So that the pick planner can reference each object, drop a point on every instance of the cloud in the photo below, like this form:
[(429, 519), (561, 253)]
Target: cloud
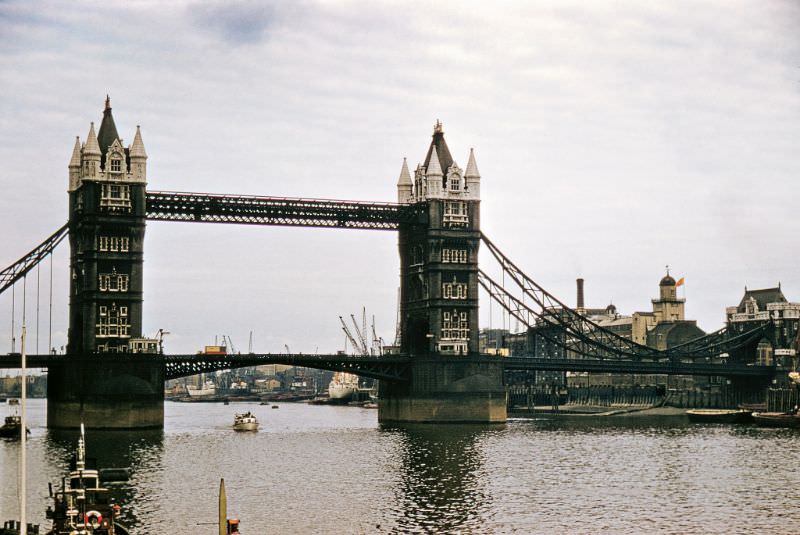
[(237, 23)]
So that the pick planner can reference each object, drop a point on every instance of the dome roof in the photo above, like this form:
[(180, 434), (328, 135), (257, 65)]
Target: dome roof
[(667, 281)]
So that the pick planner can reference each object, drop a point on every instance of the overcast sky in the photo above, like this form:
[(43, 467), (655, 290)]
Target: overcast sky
[(612, 139)]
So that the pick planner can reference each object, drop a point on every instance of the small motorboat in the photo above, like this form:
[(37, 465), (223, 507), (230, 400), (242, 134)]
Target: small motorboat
[(721, 416), (12, 427), (274, 406), (777, 419), (245, 422)]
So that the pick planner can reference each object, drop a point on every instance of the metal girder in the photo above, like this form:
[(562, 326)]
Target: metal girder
[(286, 211), (21, 267), (729, 369), (388, 367)]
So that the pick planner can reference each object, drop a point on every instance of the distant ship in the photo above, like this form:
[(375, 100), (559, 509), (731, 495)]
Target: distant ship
[(207, 389), (343, 386)]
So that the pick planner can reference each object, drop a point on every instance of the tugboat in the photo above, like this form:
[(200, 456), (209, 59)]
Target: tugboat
[(82, 506), (245, 422), (12, 428)]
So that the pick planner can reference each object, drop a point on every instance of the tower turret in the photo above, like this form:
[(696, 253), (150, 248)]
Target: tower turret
[(473, 177), (138, 158), (404, 185), (75, 166), (91, 156), (434, 176)]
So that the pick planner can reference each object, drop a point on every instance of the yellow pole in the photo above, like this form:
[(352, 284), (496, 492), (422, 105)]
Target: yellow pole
[(223, 508)]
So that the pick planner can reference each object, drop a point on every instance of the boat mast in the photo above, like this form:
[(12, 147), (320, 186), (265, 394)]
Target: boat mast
[(23, 440)]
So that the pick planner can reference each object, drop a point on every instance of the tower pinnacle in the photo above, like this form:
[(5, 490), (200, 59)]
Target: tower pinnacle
[(137, 148), (404, 184), (472, 167), (75, 161), (91, 147)]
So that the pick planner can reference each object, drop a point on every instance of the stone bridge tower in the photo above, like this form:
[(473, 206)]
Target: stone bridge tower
[(106, 233), (439, 298)]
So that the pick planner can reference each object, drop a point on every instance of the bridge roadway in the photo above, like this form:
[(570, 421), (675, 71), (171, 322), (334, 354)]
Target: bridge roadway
[(394, 367)]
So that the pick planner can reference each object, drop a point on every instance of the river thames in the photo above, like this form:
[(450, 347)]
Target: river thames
[(322, 469)]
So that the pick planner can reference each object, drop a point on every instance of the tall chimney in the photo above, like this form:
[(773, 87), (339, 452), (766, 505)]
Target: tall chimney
[(580, 293)]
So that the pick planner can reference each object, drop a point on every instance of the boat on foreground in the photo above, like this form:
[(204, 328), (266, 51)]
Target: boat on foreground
[(722, 416), (777, 419), (245, 422), (82, 505), (12, 427)]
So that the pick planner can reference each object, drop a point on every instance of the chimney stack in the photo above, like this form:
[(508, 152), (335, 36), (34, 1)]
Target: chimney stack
[(580, 293)]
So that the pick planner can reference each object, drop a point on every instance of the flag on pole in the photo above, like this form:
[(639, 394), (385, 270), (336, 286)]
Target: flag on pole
[(680, 282)]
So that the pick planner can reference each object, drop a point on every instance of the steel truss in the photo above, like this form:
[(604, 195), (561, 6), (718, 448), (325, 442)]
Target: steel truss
[(287, 211), (388, 367), (21, 267)]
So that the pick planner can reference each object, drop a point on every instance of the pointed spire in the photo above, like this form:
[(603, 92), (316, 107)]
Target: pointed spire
[(108, 129), (472, 167), (405, 175), (91, 148), (75, 161), (137, 148), (434, 167)]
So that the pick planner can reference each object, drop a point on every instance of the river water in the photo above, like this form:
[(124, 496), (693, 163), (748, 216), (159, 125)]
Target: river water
[(321, 469)]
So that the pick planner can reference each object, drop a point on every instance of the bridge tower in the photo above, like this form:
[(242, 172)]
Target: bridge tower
[(106, 233), (439, 298)]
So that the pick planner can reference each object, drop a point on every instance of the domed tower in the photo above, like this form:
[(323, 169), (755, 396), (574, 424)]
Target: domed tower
[(668, 307), (668, 287)]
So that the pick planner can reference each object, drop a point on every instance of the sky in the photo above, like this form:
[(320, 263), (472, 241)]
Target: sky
[(613, 139)]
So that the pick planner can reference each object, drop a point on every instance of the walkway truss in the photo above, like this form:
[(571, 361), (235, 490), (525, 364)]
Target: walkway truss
[(577, 335)]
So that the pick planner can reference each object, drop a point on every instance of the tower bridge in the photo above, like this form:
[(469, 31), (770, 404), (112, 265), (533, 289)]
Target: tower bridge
[(111, 376)]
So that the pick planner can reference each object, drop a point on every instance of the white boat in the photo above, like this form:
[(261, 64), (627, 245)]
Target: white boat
[(342, 387), (206, 390), (245, 422)]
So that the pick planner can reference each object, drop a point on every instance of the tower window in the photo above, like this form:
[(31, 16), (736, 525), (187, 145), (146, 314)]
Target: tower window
[(115, 196), (455, 325), (116, 165), (114, 323), (454, 290), (113, 282), (455, 183), (455, 214), (455, 256)]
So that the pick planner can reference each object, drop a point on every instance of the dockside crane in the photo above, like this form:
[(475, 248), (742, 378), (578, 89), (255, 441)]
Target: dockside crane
[(361, 336), (377, 342), (350, 337)]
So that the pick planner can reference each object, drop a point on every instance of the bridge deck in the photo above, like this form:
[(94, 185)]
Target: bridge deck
[(393, 367)]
